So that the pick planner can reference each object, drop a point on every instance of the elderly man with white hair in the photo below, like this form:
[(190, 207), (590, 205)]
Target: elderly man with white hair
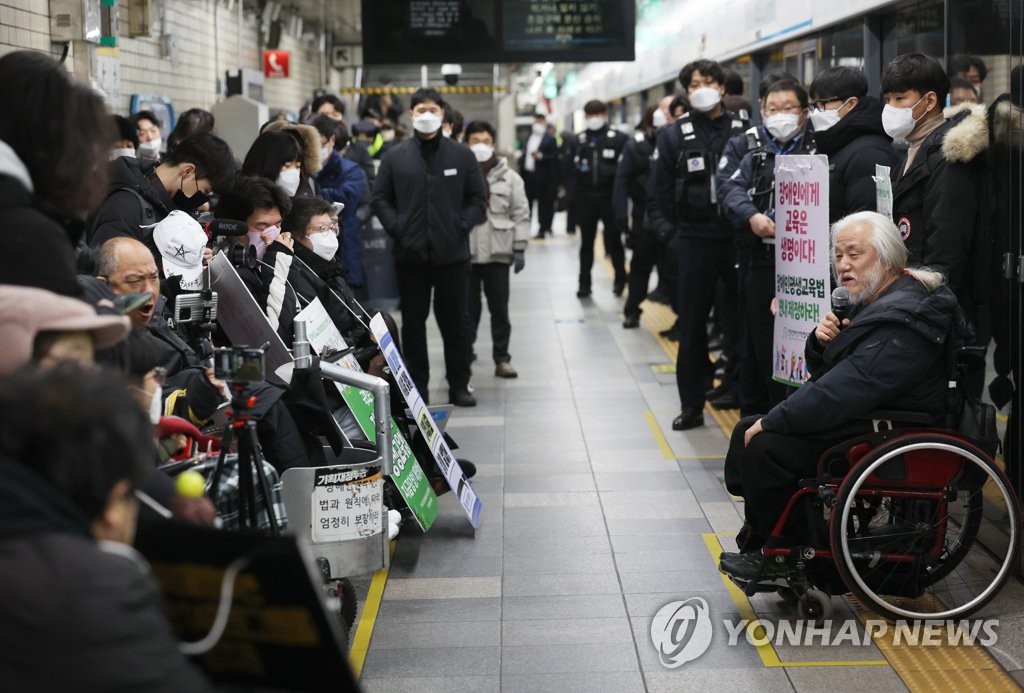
[(891, 353)]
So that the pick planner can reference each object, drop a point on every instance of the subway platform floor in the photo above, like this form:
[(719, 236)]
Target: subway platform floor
[(595, 516)]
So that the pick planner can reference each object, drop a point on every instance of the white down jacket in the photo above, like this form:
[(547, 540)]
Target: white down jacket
[(507, 228)]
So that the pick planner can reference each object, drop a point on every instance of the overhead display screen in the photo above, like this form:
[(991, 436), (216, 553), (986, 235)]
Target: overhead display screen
[(497, 31)]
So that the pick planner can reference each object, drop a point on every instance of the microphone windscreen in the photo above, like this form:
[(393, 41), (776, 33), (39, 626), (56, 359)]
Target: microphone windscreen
[(227, 227), (841, 297)]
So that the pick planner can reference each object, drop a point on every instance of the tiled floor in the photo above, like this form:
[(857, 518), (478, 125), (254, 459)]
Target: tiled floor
[(587, 529)]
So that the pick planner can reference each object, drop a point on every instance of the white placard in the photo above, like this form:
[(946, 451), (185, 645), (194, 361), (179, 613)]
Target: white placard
[(351, 509)]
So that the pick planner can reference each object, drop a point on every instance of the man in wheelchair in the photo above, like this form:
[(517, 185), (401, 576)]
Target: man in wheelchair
[(892, 353)]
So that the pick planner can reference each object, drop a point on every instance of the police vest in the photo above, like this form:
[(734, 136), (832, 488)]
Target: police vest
[(696, 193), (762, 187), (644, 154), (597, 157)]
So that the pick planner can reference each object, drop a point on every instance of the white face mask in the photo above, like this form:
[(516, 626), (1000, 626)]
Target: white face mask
[(659, 118), (151, 149), (823, 120), (324, 244), (783, 126), (899, 122), (594, 124), (705, 99), (482, 152), (539, 128), (427, 123), (288, 179), (325, 153), (118, 153)]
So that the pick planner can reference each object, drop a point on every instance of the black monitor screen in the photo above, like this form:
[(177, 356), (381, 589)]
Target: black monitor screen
[(485, 31)]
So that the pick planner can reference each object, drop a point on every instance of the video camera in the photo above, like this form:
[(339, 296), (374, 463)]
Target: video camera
[(240, 365)]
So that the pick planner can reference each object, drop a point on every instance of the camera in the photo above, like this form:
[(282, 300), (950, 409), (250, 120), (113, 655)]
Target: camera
[(189, 308), (451, 74), (242, 255), (240, 365)]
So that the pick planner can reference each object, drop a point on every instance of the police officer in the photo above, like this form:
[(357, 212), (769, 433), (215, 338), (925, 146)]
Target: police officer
[(687, 196), (595, 159), (749, 200), (631, 186)]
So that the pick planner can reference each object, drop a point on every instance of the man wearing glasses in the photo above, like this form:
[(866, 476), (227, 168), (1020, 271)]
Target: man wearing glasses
[(848, 129), (749, 201)]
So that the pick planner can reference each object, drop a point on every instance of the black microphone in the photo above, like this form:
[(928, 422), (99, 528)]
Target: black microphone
[(841, 304), (226, 227)]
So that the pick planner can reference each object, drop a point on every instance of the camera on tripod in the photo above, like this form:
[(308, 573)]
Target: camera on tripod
[(195, 308), (240, 365)]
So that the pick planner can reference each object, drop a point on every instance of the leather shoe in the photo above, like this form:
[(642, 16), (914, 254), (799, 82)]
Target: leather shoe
[(461, 397), (539, 236), (619, 287), (583, 293), (689, 418), (631, 322), (728, 400), (505, 370)]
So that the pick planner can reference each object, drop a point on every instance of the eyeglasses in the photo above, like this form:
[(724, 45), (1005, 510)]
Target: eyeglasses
[(785, 109), (820, 104), (313, 230)]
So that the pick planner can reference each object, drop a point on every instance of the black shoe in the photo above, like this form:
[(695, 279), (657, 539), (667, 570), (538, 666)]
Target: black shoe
[(619, 286), (747, 540), (672, 332), (717, 392), (539, 236), (727, 400), (658, 296), (632, 321), (583, 293), (461, 397), (689, 418), (746, 566), (468, 468)]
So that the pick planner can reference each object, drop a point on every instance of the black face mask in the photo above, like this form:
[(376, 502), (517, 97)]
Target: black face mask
[(190, 204)]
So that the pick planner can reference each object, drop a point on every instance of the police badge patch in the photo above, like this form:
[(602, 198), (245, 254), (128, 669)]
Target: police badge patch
[(904, 227)]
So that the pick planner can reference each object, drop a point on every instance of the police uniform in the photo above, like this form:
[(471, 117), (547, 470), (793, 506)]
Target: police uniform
[(687, 196), (631, 186), (750, 190), (595, 160)]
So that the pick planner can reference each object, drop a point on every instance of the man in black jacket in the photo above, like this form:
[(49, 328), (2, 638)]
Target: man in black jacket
[(142, 194), (629, 198), (848, 129), (891, 353), (429, 195), (539, 168)]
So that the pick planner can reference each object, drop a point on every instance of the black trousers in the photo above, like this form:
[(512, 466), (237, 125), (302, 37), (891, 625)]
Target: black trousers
[(544, 192), (646, 249), (758, 391), (702, 263), (448, 284), (492, 277), (589, 210), (767, 473)]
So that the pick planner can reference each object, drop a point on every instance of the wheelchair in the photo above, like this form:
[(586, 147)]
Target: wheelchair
[(914, 521)]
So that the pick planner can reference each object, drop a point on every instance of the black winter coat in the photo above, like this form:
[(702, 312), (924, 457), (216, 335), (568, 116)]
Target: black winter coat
[(429, 209), (892, 356), (854, 146), (136, 198), (38, 250), (942, 205), (76, 617)]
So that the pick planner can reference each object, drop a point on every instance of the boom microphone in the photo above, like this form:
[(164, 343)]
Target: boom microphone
[(226, 227), (841, 304)]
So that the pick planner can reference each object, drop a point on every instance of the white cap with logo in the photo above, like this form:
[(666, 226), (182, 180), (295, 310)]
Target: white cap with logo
[(180, 239)]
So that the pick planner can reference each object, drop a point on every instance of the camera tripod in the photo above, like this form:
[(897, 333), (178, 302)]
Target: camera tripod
[(242, 427)]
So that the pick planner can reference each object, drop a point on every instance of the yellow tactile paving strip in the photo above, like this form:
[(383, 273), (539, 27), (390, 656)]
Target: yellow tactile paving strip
[(932, 668)]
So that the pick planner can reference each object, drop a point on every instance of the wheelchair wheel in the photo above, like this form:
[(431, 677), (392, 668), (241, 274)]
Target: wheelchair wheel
[(906, 523)]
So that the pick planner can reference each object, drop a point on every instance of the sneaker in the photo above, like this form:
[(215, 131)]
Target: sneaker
[(745, 566), (505, 370), (632, 321), (461, 397), (392, 531), (394, 517), (689, 418)]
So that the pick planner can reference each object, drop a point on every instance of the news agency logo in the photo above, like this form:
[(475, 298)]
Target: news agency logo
[(681, 631)]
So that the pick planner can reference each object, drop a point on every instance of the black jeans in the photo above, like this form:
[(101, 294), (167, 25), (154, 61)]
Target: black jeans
[(492, 277), (590, 209), (645, 255), (448, 283), (543, 190), (702, 263)]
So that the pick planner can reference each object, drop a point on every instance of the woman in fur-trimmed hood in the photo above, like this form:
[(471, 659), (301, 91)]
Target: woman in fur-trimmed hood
[(307, 139), (942, 190)]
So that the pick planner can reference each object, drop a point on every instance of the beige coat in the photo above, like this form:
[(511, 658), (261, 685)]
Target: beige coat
[(507, 228)]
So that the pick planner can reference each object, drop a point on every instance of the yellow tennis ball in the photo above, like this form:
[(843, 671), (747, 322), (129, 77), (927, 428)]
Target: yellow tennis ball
[(190, 484)]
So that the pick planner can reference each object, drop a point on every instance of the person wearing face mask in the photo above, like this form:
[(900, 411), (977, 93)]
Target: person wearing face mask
[(594, 157), (497, 244), (848, 129), (429, 195), (142, 194), (688, 200), (288, 155), (538, 167), (343, 180), (749, 202), (941, 194), (147, 127), (629, 200), (128, 139)]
